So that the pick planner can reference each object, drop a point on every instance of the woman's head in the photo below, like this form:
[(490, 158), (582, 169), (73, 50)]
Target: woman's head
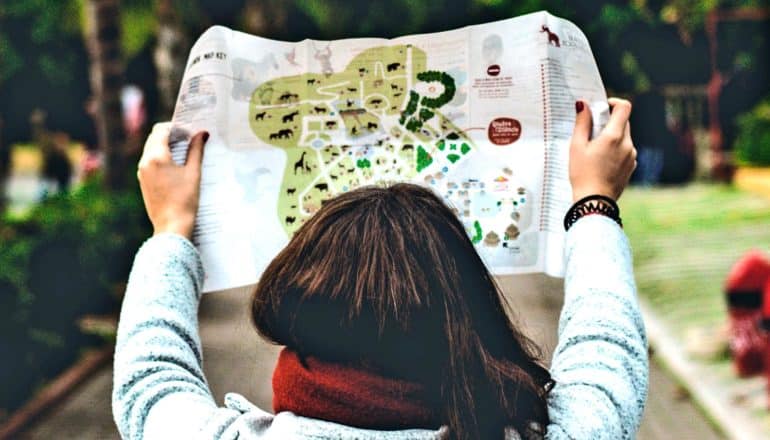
[(387, 279)]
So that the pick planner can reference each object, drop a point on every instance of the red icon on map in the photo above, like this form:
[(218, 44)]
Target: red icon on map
[(552, 37), (504, 131), (493, 70)]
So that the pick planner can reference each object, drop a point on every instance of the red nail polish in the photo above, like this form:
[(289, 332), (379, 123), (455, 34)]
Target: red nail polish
[(205, 136), (578, 106)]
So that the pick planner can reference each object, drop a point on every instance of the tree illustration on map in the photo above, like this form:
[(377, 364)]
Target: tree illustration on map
[(377, 121)]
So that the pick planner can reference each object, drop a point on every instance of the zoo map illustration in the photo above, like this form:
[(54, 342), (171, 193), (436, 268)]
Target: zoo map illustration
[(386, 115)]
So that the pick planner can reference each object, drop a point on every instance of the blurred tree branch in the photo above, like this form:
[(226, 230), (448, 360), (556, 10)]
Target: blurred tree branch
[(170, 55)]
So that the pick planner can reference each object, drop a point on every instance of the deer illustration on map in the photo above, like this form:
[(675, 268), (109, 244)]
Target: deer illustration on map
[(552, 37), (324, 57)]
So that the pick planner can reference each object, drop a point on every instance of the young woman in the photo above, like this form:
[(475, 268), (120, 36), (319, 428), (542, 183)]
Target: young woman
[(393, 327)]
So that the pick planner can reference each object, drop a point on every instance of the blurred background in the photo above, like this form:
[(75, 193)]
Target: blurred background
[(82, 82)]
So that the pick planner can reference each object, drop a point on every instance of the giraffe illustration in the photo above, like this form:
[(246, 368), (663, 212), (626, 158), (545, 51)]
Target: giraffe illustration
[(324, 57), (300, 164), (291, 57), (552, 37)]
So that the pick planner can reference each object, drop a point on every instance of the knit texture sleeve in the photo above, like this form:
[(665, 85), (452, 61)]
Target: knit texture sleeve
[(158, 359), (600, 364)]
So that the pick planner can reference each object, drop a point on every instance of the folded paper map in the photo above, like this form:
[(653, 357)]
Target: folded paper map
[(482, 115)]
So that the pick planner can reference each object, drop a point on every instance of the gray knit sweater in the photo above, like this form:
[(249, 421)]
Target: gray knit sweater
[(600, 364)]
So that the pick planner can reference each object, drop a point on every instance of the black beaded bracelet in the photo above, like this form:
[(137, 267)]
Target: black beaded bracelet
[(593, 204)]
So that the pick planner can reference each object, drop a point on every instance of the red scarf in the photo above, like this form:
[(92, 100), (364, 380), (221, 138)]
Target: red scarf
[(348, 395)]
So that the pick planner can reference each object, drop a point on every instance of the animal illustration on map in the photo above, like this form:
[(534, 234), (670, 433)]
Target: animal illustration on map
[(352, 89), (290, 220), (324, 57), (247, 75), (371, 126), (285, 133), (552, 37), (300, 164), (265, 95), (311, 81), (331, 124), (393, 66), (291, 57), (319, 109), (289, 117), (287, 96), (290, 191), (322, 187), (260, 116), (393, 86), (376, 102)]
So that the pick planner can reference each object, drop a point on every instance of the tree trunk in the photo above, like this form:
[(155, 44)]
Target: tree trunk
[(170, 55), (103, 41)]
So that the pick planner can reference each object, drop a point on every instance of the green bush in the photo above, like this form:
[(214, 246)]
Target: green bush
[(66, 259), (752, 146)]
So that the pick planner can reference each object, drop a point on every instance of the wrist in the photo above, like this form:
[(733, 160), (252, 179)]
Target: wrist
[(590, 205), (183, 228), (579, 194)]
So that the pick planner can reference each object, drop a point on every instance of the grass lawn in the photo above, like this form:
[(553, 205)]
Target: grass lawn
[(685, 240)]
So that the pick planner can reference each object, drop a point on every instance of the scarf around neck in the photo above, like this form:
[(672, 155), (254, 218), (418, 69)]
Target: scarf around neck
[(334, 392)]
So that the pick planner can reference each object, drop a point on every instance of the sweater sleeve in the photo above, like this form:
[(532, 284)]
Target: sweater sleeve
[(600, 364), (158, 371)]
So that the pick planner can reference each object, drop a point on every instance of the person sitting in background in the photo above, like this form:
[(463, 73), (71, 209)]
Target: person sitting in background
[(392, 325)]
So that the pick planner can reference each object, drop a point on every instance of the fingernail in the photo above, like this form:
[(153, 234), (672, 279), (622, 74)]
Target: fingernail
[(205, 136), (578, 106)]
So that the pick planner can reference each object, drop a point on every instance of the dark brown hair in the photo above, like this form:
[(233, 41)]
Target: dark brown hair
[(387, 278)]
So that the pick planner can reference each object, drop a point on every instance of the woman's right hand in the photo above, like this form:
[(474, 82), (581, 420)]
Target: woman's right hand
[(602, 165)]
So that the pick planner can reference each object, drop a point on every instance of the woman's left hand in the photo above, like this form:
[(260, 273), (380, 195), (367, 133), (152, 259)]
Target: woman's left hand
[(171, 191)]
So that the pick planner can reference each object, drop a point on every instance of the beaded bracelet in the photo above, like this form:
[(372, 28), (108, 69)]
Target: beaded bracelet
[(593, 204)]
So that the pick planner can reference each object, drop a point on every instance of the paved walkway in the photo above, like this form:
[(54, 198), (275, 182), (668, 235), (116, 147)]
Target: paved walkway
[(237, 360)]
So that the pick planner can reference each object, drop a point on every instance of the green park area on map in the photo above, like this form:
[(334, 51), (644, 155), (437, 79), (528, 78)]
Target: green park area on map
[(363, 125)]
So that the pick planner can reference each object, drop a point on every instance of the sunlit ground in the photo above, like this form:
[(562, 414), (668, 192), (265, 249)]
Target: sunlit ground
[(25, 185)]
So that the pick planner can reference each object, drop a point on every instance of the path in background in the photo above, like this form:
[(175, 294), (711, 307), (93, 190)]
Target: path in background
[(236, 360)]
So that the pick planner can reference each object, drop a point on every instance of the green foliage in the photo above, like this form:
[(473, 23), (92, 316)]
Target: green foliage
[(616, 18), (411, 106), (414, 124), (752, 146), (631, 68), (48, 25), (424, 159), (449, 88), (11, 61), (425, 114), (63, 261), (138, 22), (477, 233)]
